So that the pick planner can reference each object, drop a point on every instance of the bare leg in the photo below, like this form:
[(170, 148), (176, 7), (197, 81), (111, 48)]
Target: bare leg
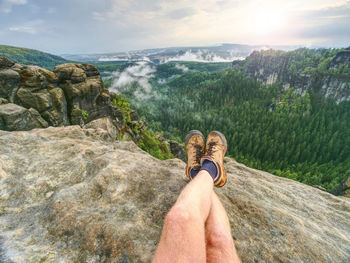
[(183, 236), (220, 247)]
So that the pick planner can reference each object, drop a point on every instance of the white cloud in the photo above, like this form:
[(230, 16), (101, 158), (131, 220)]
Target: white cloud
[(32, 27), (138, 74), (201, 56), (24, 29), (6, 5), (182, 67)]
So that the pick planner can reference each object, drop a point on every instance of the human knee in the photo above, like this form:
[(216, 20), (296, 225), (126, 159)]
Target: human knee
[(180, 216), (219, 239)]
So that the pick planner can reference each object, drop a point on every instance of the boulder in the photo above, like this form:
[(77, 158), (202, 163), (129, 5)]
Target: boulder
[(5, 63), (69, 195), (344, 188), (35, 77), (9, 84), (178, 150), (3, 101), (104, 125), (16, 118)]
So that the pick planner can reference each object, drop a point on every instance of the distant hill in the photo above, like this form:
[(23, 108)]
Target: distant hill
[(218, 53), (28, 56)]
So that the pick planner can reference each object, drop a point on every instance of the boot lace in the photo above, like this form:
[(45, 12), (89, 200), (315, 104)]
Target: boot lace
[(211, 148), (198, 149)]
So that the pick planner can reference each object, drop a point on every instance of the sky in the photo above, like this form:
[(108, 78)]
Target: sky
[(102, 26)]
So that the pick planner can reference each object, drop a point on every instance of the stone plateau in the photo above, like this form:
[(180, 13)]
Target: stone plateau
[(72, 194)]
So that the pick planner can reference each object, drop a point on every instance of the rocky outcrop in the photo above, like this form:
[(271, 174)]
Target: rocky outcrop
[(72, 94), (341, 57), (14, 117), (178, 150), (344, 188), (275, 67), (69, 194), (84, 91)]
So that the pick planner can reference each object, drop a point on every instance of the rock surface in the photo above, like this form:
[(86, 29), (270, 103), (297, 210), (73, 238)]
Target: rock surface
[(69, 195)]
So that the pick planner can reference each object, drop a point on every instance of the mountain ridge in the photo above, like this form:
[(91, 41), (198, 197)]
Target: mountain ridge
[(29, 56)]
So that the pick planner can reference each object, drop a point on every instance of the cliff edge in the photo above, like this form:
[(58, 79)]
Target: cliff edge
[(72, 194)]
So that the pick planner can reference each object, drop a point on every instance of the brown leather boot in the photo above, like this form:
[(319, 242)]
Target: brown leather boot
[(195, 148), (216, 147)]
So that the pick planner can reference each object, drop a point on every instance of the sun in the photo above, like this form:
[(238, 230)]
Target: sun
[(267, 20)]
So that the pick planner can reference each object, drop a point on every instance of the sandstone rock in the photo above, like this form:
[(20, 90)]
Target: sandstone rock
[(34, 87), (67, 195), (84, 90), (343, 188), (82, 86), (60, 99), (16, 118), (134, 116), (5, 63), (105, 124), (178, 150), (9, 84), (342, 57), (3, 101), (35, 77)]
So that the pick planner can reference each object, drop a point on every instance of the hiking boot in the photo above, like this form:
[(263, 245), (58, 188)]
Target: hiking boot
[(195, 148), (216, 147)]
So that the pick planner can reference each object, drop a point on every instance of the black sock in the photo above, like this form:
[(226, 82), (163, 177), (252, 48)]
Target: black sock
[(194, 172), (210, 167)]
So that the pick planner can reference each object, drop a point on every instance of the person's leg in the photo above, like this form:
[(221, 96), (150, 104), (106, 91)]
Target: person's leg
[(183, 236), (220, 247)]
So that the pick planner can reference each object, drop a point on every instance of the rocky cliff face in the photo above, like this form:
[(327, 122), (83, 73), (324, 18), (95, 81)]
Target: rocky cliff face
[(275, 68), (71, 194), (71, 94)]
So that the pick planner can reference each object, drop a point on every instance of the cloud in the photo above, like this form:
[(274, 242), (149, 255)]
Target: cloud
[(6, 5), (24, 29), (201, 56), (182, 67), (181, 13), (104, 26), (330, 24), (31, 27), (138, 74)]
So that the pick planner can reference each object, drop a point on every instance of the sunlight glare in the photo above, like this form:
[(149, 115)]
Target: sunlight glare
[(267, 20)]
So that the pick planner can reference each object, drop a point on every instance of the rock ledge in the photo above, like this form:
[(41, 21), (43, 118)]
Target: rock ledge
[(69, 194)]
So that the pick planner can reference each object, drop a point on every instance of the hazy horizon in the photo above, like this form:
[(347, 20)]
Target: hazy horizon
[(110, 26)]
